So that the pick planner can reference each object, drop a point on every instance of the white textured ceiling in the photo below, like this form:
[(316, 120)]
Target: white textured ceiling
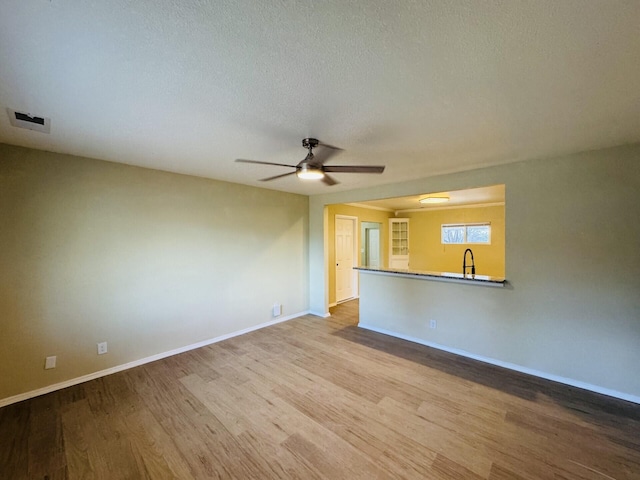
[(424, 87)]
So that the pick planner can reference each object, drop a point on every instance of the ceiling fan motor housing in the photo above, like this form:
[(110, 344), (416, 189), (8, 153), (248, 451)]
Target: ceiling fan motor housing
[(310, 142)]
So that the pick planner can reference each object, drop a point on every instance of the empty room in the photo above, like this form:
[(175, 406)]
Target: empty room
[(320, 240)]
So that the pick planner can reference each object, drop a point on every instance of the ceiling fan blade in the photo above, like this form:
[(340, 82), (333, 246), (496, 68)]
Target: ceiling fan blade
[(268, 179), (354, 169), (320, 144), (329, 180), (326, 152), (242, 160)]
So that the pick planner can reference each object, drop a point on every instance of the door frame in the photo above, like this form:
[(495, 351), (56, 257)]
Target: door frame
[(354, 257)]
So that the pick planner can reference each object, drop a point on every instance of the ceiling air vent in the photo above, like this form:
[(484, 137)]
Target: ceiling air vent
[(28, 121)]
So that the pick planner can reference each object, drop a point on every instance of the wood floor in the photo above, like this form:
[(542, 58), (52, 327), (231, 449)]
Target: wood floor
[(320, 399)]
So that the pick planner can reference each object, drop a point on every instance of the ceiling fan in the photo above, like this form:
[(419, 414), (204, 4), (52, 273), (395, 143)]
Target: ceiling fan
[(312, 167)]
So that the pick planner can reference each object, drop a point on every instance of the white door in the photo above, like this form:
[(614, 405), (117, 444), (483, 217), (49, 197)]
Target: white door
[(345, 287), (373, 247)]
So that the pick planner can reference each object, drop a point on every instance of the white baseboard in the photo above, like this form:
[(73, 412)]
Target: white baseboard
[(118, 368), (321, 315), (510, 366), (355, 297)]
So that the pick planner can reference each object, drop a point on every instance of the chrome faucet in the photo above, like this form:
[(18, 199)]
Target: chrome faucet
[(464, 263)]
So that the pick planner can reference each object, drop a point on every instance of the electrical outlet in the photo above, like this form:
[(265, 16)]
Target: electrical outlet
[(102, 348), (433, 324), (277, 310), (50, 362)]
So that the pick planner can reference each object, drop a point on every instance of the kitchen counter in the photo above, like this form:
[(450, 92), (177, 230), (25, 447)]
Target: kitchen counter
[(468, 279)]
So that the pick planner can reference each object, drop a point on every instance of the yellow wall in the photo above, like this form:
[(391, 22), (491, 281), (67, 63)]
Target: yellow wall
[(147, 261), (426, 251), (364, 215)]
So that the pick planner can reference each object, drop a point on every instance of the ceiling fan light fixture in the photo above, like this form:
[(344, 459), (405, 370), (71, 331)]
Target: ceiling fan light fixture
[(430, 199), (309, 172)]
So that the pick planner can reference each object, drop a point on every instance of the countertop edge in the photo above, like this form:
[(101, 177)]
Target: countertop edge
[(433, 276)]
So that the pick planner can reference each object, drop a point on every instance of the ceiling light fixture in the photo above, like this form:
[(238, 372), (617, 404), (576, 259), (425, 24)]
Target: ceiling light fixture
[(435, 199), (309, 172)]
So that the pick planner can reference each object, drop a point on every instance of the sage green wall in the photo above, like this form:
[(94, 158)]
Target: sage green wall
[(572, 306), (364, 215), (148, 261)]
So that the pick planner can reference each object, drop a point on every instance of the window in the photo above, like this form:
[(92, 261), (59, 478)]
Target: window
[(466, 233)]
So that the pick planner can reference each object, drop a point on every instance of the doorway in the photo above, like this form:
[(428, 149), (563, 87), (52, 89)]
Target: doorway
[(346, 254), (370, 252)]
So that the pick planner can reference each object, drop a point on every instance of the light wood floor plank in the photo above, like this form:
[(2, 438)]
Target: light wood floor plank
[(320, 399)]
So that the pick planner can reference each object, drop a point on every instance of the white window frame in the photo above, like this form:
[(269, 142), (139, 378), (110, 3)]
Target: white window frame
[(465, 225)]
